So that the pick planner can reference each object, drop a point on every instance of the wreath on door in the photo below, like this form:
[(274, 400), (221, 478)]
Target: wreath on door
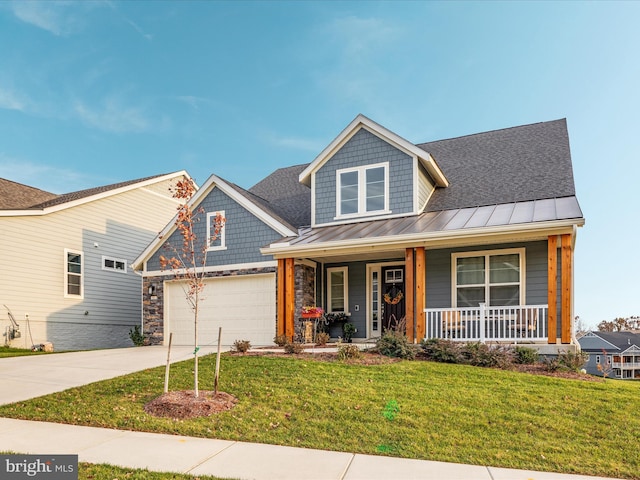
[(393, 296)]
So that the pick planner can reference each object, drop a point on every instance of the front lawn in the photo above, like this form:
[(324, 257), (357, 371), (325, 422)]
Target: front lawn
[(412, 409), (18, 352)]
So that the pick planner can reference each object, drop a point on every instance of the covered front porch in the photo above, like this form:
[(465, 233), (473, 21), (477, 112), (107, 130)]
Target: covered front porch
[(539, 309)]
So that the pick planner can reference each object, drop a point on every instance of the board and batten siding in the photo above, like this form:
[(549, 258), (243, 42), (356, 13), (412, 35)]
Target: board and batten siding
[(365, 148), (245, 234), (438, 276), (32, 252)]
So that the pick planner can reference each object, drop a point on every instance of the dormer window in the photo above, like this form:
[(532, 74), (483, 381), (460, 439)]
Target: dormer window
[(363, 190)]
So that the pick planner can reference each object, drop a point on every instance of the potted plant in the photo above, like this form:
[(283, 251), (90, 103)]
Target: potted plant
[(311, 311)]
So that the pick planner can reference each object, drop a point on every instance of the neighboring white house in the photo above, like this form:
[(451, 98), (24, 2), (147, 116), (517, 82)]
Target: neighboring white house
[(65, 260)]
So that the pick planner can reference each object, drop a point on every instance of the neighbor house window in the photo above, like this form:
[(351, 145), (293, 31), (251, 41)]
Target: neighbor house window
[(363, 190), (73, 281), (115, 264), (215, 241), (495, 278), (337, 291)]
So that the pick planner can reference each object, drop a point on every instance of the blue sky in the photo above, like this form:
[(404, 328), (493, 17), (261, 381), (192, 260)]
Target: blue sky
[(93, 93)]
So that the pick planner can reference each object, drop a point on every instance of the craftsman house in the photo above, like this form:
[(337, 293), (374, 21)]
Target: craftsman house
[(66, 261), (469, 238)]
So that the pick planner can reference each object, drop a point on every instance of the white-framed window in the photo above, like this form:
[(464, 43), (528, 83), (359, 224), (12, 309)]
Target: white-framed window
[(114, 264), (362, 190), (495, 278), (73, 274), (337, 289), (597, 359), (220, 240)]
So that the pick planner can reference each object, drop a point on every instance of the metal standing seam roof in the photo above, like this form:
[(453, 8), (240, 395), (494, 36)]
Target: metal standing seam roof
[(446, 221)]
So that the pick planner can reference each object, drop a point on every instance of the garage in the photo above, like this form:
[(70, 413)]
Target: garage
[(244, 306)]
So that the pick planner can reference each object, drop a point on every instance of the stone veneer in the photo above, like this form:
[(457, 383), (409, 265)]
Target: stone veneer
[(153, 305), (305, 286)]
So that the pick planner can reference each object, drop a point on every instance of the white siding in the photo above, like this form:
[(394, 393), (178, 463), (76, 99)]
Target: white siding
[(33, 268), (425, 187)]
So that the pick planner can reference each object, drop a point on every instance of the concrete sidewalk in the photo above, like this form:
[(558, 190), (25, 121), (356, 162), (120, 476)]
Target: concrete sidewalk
[(228, 459)]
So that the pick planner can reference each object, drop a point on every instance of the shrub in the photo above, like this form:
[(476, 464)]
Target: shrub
[(136, 336), (241, 346), (394, 344), (440, 350), (525, 355), (322, 338), (348, 351), (348, 329), (483, 355), (293, 347), (280, 340), (573, 360), (551, 364)]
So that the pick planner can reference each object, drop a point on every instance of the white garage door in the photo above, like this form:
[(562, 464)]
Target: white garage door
[(244, 306)]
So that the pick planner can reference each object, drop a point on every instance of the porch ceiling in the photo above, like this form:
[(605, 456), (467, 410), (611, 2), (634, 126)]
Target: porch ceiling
[(387, 237)]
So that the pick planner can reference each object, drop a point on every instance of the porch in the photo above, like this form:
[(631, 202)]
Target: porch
[(421, 286), (511, 324)]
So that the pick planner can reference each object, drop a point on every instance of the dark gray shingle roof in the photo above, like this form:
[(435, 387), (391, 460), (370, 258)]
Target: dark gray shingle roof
[(622, 340), (16, 196), (517, 164), (285, 195)]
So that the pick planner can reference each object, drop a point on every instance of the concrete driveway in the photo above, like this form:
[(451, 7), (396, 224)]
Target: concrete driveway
[(22, 378)]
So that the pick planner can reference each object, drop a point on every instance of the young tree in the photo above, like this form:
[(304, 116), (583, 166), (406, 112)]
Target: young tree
[(187, 261)]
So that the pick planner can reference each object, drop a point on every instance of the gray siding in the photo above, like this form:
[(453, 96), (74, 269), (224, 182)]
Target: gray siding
[(357, 296), (438, 277), (365, 148), (245, 234)]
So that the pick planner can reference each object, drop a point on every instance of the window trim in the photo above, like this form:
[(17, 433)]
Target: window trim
[(487, 284), (345, 271), (67, 252), (362, 191), (114, 260), (223, 236)]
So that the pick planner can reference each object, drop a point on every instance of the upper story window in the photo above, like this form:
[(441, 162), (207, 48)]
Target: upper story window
[(115, 264), (216, 237), (495, 278), (363, 190), (73, 278)]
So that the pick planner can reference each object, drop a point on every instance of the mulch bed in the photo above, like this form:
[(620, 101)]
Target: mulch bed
[(184, 404)]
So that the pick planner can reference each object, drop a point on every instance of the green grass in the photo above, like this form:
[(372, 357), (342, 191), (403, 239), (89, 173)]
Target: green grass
[(409, 409), (90, 471), (17, 352)]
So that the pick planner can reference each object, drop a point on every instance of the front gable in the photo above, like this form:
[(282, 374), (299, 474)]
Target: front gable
[(368, 172), (248, 227)]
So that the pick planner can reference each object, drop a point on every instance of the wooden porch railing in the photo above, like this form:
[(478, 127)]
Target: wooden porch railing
[(488, 324)]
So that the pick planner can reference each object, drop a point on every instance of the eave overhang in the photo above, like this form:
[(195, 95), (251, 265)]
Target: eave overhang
[(81, 201), (429, 240), (385, 134), (520, 221)]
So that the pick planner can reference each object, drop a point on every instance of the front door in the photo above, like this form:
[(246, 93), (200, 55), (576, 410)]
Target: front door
[(393, 296)]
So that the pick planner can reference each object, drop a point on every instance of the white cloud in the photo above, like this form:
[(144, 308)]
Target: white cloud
[(114, 117), (195, 102), (52, 16), (12, 101), (296, 143), (45, 177)]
